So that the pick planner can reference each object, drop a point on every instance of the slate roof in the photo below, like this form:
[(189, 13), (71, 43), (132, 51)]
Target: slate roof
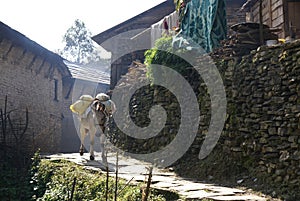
[(91, 74)]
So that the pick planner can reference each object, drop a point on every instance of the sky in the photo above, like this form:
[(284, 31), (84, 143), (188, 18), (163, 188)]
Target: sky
[(46, 21)]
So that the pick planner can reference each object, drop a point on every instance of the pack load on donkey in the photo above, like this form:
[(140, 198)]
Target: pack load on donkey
[(81, 105)]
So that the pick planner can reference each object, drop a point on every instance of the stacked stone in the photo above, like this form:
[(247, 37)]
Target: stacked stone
[(265, 126), (262, 129), (139, 107), (245, 37), (136, 73)]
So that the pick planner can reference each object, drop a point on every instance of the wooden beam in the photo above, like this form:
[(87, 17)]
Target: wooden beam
[(261, 31), (285, 18), (270, 13)]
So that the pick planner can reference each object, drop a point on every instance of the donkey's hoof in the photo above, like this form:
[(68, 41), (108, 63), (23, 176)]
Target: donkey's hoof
[(92, 158), (81, 153)]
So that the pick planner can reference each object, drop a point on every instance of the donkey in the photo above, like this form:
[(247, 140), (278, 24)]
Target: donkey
[(93, 113)]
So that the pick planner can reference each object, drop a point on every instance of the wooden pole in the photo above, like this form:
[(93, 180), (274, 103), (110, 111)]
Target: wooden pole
[(147, 190), (261, 28), (107, 180), (73, 189), (116, 181)]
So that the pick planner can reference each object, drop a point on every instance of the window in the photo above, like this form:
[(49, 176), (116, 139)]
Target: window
[(55, 89)]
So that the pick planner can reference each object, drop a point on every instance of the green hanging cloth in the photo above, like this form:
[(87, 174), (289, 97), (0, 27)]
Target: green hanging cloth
[(204, 22)]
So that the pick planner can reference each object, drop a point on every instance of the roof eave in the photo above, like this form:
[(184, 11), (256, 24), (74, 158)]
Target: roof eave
[(167, 6)]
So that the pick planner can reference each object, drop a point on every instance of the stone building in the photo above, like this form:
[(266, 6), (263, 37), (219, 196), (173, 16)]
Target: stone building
[(32, 78), (35, 78), (133, 27), (143, 23)]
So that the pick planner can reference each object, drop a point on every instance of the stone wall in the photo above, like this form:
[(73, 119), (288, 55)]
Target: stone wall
[(263, 124), (32, 79), (261, 136)]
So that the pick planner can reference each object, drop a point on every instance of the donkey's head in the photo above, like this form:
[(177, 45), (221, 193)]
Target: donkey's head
[(100, 112)]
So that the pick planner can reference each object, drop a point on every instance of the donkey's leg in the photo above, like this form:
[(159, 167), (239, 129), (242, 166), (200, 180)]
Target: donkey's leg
[(83, 133), (92, 142), (102, 146)]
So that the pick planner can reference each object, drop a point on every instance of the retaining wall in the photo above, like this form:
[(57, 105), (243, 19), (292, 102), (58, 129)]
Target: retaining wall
[(262, 131)]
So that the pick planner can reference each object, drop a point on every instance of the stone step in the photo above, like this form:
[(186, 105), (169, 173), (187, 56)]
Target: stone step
[(136, 171)]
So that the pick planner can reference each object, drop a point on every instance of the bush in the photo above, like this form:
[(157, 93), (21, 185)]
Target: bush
[(15, 176), (164, 54), (54, 180)]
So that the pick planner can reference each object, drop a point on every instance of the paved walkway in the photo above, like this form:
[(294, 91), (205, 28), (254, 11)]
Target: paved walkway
[(131, 169)]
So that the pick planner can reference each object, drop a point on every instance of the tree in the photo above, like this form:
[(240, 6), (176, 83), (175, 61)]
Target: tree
[(79, 46)]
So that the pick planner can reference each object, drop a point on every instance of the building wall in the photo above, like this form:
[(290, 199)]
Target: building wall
[(279, 14), (32, 82), (294, 18), (273, 15), (234, 13), (120, 65)]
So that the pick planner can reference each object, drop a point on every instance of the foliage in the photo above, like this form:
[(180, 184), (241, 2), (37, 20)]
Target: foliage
[(180, 7), (15, 154), (54, 179), (177, 4), (37, 181), (15, 180), (164, 54), (79, 46), (13, 184), (180, 3)]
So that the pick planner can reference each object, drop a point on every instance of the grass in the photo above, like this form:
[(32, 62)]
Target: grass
[(54, 180)]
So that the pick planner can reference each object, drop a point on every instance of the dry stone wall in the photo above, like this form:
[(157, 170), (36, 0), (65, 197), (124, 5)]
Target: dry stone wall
[(262, 129), (264, 116)]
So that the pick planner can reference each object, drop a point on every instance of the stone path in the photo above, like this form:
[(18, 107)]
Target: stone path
[(136, 171)]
